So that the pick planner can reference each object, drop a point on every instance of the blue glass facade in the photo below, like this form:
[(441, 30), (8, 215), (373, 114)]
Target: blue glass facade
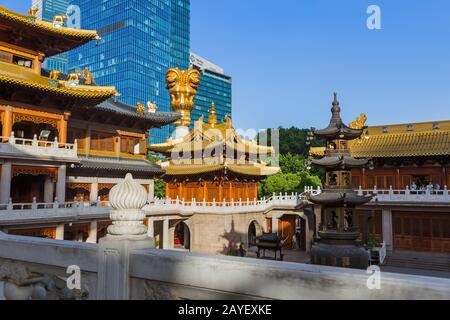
[(47, 10), (140, 39), (213, 87)]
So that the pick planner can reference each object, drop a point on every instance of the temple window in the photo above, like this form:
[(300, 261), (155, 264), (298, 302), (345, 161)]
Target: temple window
[(436, 126), (23, 62), (385, 129), (410, 127), (102, 141), (131, 145), (76, 134)]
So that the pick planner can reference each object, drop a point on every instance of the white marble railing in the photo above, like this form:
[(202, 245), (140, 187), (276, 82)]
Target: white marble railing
[(167, 204), (39, 148), (407, 195), (34, 210)]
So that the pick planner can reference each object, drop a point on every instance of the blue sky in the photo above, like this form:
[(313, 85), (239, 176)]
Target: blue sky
[(287, 57)]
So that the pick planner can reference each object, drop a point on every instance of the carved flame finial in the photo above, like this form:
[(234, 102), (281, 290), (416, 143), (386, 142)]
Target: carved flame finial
[(182, 86), (127, 199), (212, 118)]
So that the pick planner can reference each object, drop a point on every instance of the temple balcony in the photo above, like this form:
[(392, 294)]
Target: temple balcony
[(407, 195), (168, 205), (35, 148), (402, 195), (16, 213)]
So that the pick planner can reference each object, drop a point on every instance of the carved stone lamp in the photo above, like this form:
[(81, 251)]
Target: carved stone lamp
[(127, 200)]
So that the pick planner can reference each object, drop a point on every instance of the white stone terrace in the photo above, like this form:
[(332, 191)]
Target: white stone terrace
[(35, 148)]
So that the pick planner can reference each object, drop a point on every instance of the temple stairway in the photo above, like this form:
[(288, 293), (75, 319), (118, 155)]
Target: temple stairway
[(428, 261)]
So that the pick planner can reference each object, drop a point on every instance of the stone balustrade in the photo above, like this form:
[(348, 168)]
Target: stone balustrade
[(37, 148), (247, 205), (165, 274), (407, 195), (21, 212)]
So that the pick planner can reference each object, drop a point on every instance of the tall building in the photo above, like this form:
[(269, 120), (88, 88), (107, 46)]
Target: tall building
[(47, 10), (140, 40), (215, 87)]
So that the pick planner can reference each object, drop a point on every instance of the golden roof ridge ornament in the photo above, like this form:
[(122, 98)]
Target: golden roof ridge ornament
[(88, 78), (359, 122), (182, 86), (140, 108), (32, 13)]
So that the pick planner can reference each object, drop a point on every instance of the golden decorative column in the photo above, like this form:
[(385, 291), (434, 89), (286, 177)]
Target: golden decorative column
[(182, 86)]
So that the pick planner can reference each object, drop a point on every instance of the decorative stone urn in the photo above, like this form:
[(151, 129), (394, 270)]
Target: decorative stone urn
[(127, 200)]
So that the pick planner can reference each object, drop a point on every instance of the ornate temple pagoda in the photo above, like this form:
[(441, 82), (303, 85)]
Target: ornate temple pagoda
[(337, 243), (63, 137), (211, 162)]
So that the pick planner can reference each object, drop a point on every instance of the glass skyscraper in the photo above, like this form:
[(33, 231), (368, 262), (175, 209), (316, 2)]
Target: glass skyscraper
[(47, 10), (215, 86), (140, 39)]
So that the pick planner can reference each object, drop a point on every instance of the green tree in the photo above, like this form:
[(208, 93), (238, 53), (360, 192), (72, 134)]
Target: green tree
[(293, 177), (160, 188)]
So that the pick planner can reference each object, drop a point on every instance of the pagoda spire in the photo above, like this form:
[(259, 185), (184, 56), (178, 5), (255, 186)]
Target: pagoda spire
[(212, 118)]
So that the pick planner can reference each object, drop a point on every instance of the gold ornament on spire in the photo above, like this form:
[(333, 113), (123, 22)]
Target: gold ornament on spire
[(212, 118), (359, 122), (182, 86)]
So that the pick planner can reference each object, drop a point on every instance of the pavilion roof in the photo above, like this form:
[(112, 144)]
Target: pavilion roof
[(18, 77), (248, 169), (207, 136), (399, 141), (152, 119), (40, 35)]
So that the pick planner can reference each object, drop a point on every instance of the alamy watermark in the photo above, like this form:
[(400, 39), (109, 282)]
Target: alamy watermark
[(374, 20)]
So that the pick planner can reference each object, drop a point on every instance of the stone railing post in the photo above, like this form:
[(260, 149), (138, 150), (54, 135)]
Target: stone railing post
[(360, 192), (127, 233)]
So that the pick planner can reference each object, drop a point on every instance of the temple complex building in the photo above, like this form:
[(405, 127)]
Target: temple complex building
[(212, 162), (409, 176), (65, 141)]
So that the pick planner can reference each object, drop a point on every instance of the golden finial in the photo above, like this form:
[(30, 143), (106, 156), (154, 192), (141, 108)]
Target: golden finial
[(151, 107), (212, 118), (88, 78), (359, 122), (140, 108), (227, 121), (32, 12), (58, 21), (182, 86), (54, 75)]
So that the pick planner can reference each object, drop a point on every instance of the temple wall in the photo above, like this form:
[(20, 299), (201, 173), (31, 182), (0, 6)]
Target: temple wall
[(212, 233)]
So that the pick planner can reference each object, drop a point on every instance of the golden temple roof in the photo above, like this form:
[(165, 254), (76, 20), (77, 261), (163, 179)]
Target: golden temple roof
[(209, 144), (419, 140), (17, 76), (400, 140), (207, 136), (68, 38), (244, 169)]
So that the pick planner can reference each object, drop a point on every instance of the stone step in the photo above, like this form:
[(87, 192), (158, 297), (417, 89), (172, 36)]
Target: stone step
[(431, 263)]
